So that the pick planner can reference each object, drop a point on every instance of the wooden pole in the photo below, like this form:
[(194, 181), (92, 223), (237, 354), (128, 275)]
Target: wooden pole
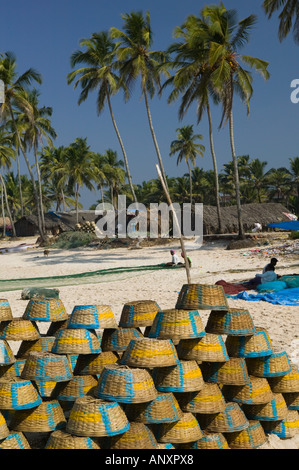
[(187, 268)]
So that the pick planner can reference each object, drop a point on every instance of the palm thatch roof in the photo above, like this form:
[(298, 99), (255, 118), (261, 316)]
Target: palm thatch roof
[(265, 213), (7, 221)]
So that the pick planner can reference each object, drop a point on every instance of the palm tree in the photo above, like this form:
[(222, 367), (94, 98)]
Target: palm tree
[(225, 37), (288, 15), (258, 176), (294, 164), (35, 125), (114, 174), (13, 88), (99, 74), (79, 167), (6, 155), (192, 81), (187, 148), (279, 181), (135, 59)]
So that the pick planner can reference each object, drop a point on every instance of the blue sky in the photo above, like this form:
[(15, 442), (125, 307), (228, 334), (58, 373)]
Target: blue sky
[(43, 35)]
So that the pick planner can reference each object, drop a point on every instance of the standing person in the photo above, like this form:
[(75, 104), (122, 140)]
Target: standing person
[(273, 262)]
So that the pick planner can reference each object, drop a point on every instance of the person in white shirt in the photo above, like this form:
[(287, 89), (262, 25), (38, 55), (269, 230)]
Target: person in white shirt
[(174, 257), (268, 276), (273, 262)]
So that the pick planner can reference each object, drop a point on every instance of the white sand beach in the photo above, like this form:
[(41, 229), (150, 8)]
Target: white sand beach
[(211, 263)]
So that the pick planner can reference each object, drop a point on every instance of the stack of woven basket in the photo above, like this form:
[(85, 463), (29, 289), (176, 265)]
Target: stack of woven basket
[(156, 379)]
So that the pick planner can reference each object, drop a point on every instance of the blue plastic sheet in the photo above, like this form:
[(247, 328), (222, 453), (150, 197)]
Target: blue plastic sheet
[(283, 297), (289, 225)]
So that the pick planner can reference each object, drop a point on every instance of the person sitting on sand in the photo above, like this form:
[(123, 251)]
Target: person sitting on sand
[(273, 262), (268, 276), (174, 259), (188, 259)]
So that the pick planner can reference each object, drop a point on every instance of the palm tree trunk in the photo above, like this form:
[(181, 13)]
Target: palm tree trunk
[(220, 229), (236, 175), (122, 148), (39, 190), (3, 212), (30, 173), (154, 136), (190, 183), (77, 202), (20, 182), (7, 205)]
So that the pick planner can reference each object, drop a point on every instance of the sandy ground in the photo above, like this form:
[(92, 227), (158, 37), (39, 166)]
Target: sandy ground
[(211, 263)]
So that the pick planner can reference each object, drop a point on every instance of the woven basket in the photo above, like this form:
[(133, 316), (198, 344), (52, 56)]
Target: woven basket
[(232, 419), (167, 445), (125, 385), (43, 344), (56, 326), (79, 386), (232, 372), (274, 410), (46, 417), (276, 365), (209, 348), (16, 440), (250, 438), (13, 370), (163, 409), (43, 309), (208, 400), (202, 297), (5, 310), (177, 324), (62, 440), (93, 364), (46, 366), (94, 417), (257, 345), (148, 352), (84, 316), (48, 388), (18, 394), (285, 429), (118, 339), (6, 354), (76, 341), (208, 441), (286, 383), (106, 317), (183, 377), (257, 392), (292, 400), (186, 429), (234, 321), (4, 431), (19, 330), (138, 436), (138, 313)]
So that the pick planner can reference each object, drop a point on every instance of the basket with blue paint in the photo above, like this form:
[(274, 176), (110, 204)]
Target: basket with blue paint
[(138, 436), (275, 365), (5, 310), (18, 394), (78, 386), (93, 417), (183, 377), (292, 400), (106, 317), (46, 417), (93, 364), (43, 344), (15, 440), (201, 297), (256, 345), (209, 348), (186, 429), (125, 385), (47, 366), (252, 437), (118, 339), (284, 429), (232, 372), (150, 353), (209, 440), (6, 354), (177, 324), (76, 341), (232, 419), (234, 321), (288, 383), (274, 410), (256, 392), (84, 316), (12, 370), (60, 440), (138, 313), (43, 309), (163, 409), (19, 329), (4, 431)]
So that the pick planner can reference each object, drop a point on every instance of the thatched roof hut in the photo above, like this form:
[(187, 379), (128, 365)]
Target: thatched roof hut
[(7, 222), (265, 213)]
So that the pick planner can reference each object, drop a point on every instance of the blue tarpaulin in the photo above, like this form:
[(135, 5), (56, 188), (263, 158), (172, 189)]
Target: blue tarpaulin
[(283, 297), (289, 225)]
